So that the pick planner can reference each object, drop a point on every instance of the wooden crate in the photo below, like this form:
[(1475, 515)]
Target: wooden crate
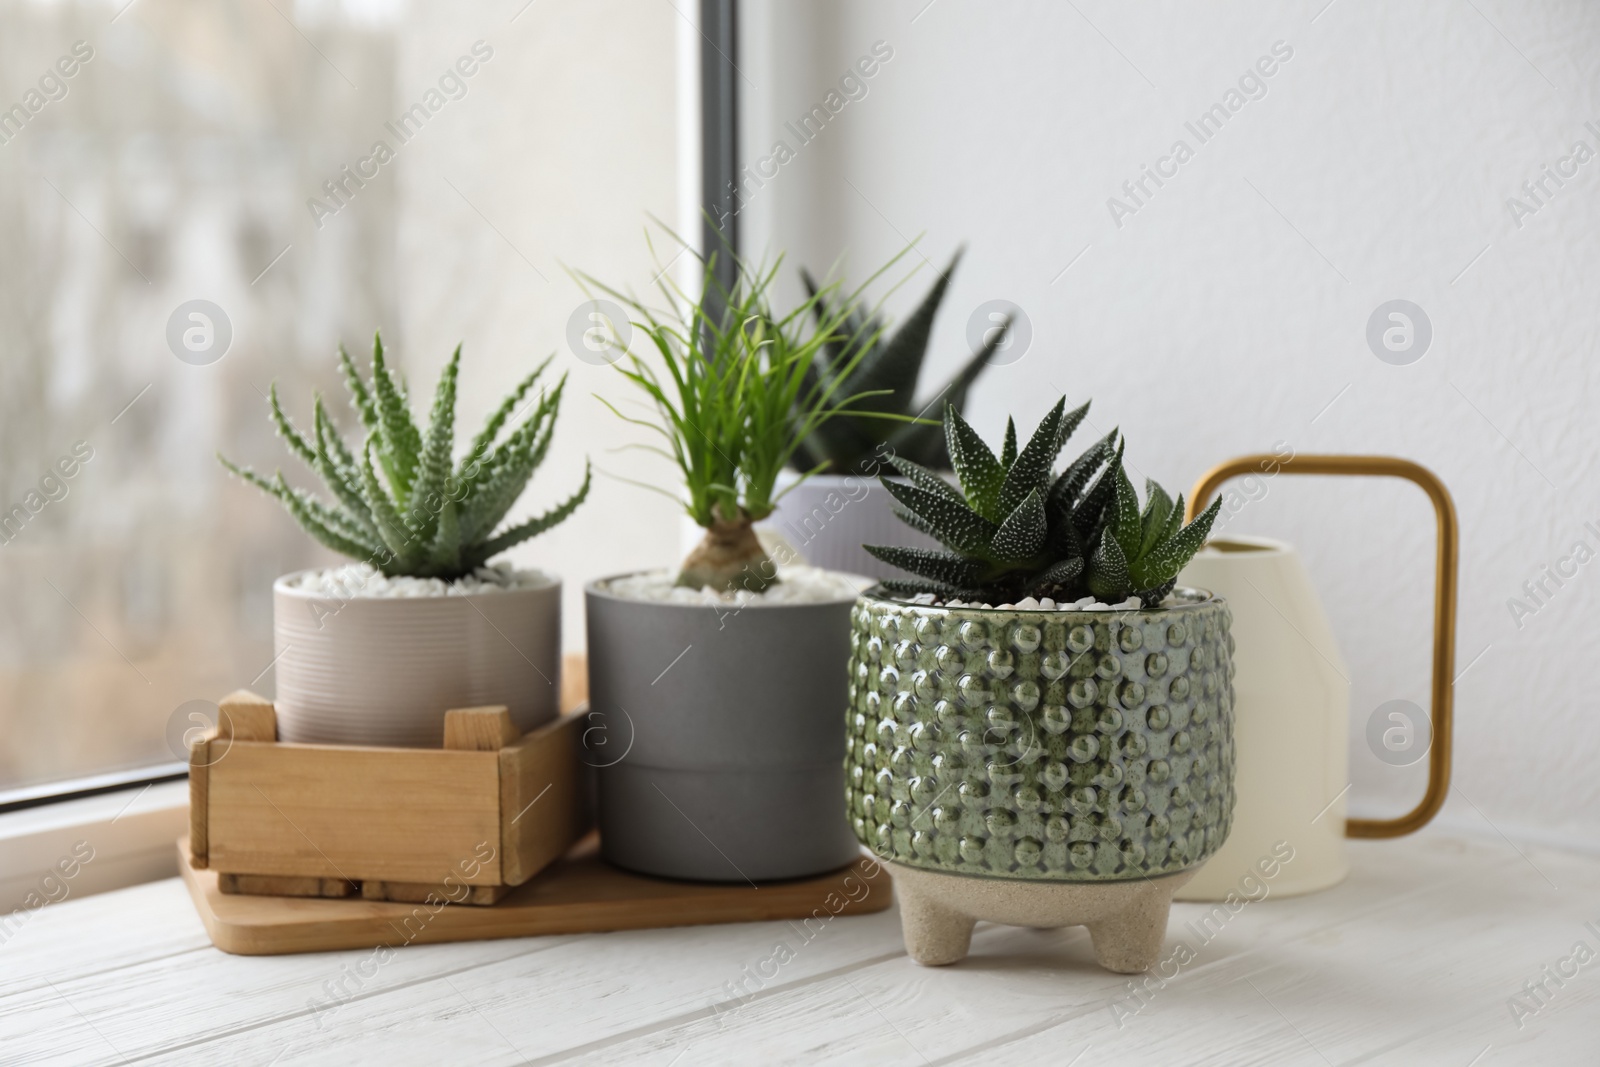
[(464, 823)]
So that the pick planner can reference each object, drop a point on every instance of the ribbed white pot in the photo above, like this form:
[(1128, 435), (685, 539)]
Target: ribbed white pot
[(828, 517), (384, 670)]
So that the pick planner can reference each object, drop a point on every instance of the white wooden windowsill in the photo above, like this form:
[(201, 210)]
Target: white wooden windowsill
[(1415, 959), (130, 831)]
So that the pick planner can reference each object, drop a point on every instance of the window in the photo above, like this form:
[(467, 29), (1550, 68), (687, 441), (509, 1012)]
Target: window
[(193, 205)]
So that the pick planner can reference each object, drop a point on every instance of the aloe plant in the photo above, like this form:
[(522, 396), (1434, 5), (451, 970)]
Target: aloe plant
[(400, 500), (865, 359), (1014, 529)]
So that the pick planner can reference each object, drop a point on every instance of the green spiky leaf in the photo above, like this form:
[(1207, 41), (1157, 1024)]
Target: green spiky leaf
[(979, 471), (1124, 519), (947, 567), (1064, 491), (1108, 572), (926, 479), (1030, 472), (1092, 509), (1157, 510), (1023, 533), (956, 526), (1168, 557)]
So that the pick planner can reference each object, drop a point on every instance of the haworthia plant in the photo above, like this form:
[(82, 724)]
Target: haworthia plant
[(1015, 529), (401, 501), (863, 358)]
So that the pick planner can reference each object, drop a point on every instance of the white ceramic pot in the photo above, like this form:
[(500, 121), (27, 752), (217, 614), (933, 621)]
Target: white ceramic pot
[(384, 670), (828, 517), (1291, 710)]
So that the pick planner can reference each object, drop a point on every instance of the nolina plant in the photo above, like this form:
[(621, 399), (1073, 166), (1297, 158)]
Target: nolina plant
[(739, 395), (1015, 530), (401, 502)]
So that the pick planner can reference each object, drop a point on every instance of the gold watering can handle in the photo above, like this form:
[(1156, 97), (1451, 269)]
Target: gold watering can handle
[(1444, 604)]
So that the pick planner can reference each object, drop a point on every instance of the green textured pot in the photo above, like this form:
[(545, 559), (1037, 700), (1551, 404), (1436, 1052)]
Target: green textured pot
[(1060, 748)]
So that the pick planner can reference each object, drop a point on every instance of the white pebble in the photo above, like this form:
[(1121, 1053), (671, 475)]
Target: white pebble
[(1131, 604), (1028, 603), (1047, 604), (365, 580), (796, 585)]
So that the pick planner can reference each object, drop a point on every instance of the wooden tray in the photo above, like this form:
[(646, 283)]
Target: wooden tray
[(579, 893)]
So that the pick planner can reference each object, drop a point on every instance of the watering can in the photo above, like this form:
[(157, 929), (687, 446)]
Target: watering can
[(1292, 696)]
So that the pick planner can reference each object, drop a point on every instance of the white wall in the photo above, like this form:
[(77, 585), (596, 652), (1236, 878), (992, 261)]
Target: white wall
[(1229, 312)]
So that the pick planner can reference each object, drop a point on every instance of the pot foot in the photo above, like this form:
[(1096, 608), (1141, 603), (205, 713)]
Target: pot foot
[(1129, 941), (935, 933), (1127, 921)]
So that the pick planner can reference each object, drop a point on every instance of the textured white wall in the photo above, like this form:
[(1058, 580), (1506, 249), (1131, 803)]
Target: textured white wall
[(1228, 313)]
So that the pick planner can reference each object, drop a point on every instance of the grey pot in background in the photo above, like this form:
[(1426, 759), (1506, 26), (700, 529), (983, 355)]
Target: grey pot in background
[(828, 517), (723, 736)]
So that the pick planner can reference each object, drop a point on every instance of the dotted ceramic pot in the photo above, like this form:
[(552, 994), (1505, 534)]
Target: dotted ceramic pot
[(1064, 746)]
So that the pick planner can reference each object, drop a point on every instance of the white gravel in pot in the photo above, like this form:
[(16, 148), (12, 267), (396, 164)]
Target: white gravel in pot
[(796, 585), (1088, 603), (365, 580)]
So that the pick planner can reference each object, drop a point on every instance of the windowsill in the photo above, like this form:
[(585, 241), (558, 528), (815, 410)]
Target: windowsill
[(131, 832)]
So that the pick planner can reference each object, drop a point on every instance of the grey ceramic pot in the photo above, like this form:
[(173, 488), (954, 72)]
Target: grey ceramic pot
[(723, 743), (828, 517)]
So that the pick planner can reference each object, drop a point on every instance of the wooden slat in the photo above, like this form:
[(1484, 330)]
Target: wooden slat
[(244, 716), (580, 894), (199, 778), (543, 803), (355, 813), (482, 729), (417, 893), (284, 885)]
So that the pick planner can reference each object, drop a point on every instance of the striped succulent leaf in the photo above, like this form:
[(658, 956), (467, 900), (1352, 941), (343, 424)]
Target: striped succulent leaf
[(1015, 529), (401, 501)]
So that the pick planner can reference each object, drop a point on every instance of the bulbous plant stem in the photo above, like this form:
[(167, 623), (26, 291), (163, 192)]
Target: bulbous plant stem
[(729, 558)]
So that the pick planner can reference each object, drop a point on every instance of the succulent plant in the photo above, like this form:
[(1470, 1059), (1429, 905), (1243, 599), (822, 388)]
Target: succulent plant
[(1015, 530), (425, 515), (864, 358)]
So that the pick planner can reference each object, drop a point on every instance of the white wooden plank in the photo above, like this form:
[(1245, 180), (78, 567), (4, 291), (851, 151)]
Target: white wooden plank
[(1388, 967), (98, 934), (597, 987), (184, 1001), (1411, 961)]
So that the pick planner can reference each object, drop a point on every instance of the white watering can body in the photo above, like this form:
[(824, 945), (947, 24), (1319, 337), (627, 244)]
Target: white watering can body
[(1292, 695), (1291, 709)]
